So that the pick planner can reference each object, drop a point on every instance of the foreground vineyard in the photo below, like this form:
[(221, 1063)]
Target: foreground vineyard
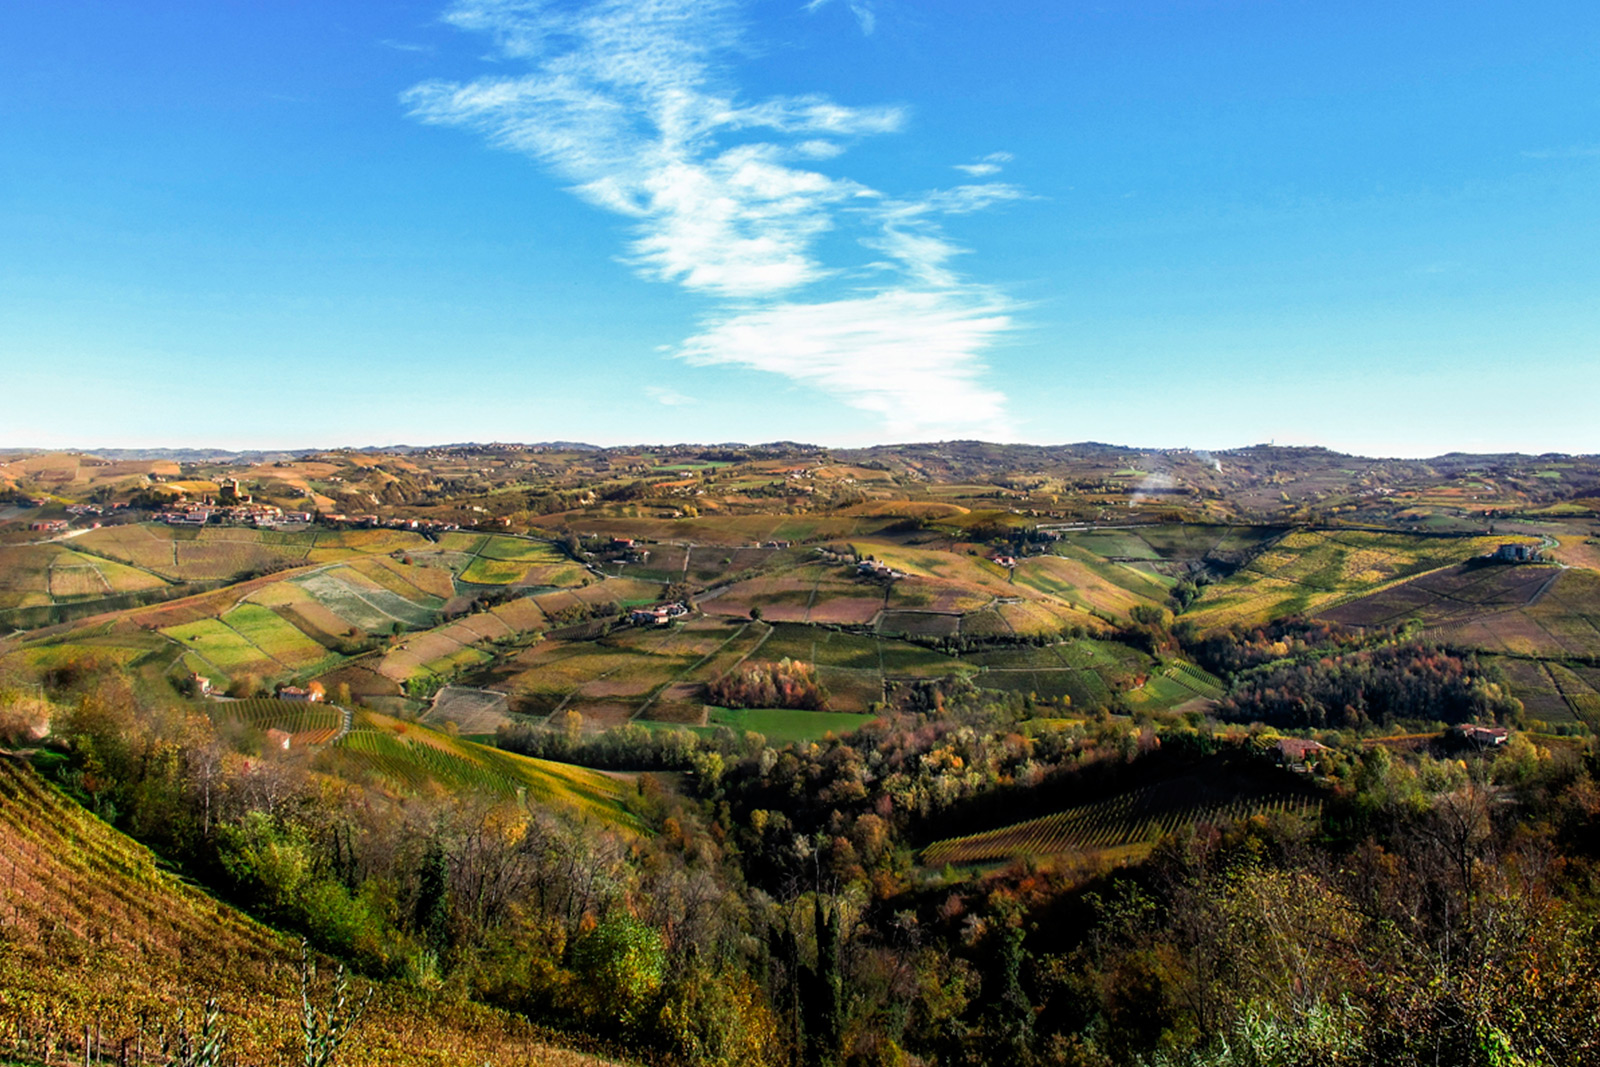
[(95, 937), (1127, 824)]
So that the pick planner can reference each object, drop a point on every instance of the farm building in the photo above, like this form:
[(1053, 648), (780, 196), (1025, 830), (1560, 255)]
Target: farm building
[(1517, 554), (657, 616), (1296, 752), (295, 694), (1482, 736)]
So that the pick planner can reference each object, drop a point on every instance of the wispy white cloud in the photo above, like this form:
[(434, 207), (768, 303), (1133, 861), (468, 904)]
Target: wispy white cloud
[(910, 233), (631, 102), (405, 46), (988, 165), (624, 101), (670, 397), (904, 355), (866, 16)]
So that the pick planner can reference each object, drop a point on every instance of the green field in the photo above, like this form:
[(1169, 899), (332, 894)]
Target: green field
[(486, 571), (224, 648), (521, 550), (783, 726), (268, 631)]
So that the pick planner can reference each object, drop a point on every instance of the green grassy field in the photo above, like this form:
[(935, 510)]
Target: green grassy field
[(783, 726), (267, 631), (224, 648)]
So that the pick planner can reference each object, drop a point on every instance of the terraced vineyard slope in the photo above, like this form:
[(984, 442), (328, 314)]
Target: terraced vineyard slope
[(95, 934), (1126, 826), (407, 756)]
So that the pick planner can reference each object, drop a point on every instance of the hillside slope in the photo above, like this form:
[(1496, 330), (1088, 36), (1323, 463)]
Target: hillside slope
[(94, 933)]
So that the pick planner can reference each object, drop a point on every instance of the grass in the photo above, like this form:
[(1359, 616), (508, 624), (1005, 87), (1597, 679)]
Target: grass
[(784, 726), (224, 648), (486, 571), (521, 550), (268, 631)]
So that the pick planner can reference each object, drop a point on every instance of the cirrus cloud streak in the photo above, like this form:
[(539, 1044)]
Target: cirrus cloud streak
[(632, 103)]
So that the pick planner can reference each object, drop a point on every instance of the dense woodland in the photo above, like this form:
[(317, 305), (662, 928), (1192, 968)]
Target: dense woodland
[(1444, 912)]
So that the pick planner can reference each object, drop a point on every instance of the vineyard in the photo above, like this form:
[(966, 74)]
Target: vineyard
[(1310, 570), (100, 946), (1197, 681), (306, 724), (409, 757), (1128, 824)]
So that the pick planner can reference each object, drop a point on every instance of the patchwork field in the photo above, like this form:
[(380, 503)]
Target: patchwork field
[(364, 603), (38, 575)]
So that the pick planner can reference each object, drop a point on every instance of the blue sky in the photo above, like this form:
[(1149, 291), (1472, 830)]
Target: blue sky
[(1364, 225)]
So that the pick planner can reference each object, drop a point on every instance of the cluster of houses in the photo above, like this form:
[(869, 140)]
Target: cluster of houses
[(628, 550), (268, 516), (659, 615), (372, 522), (872, 568), (77, 511), (192, 513), (84, 510)]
